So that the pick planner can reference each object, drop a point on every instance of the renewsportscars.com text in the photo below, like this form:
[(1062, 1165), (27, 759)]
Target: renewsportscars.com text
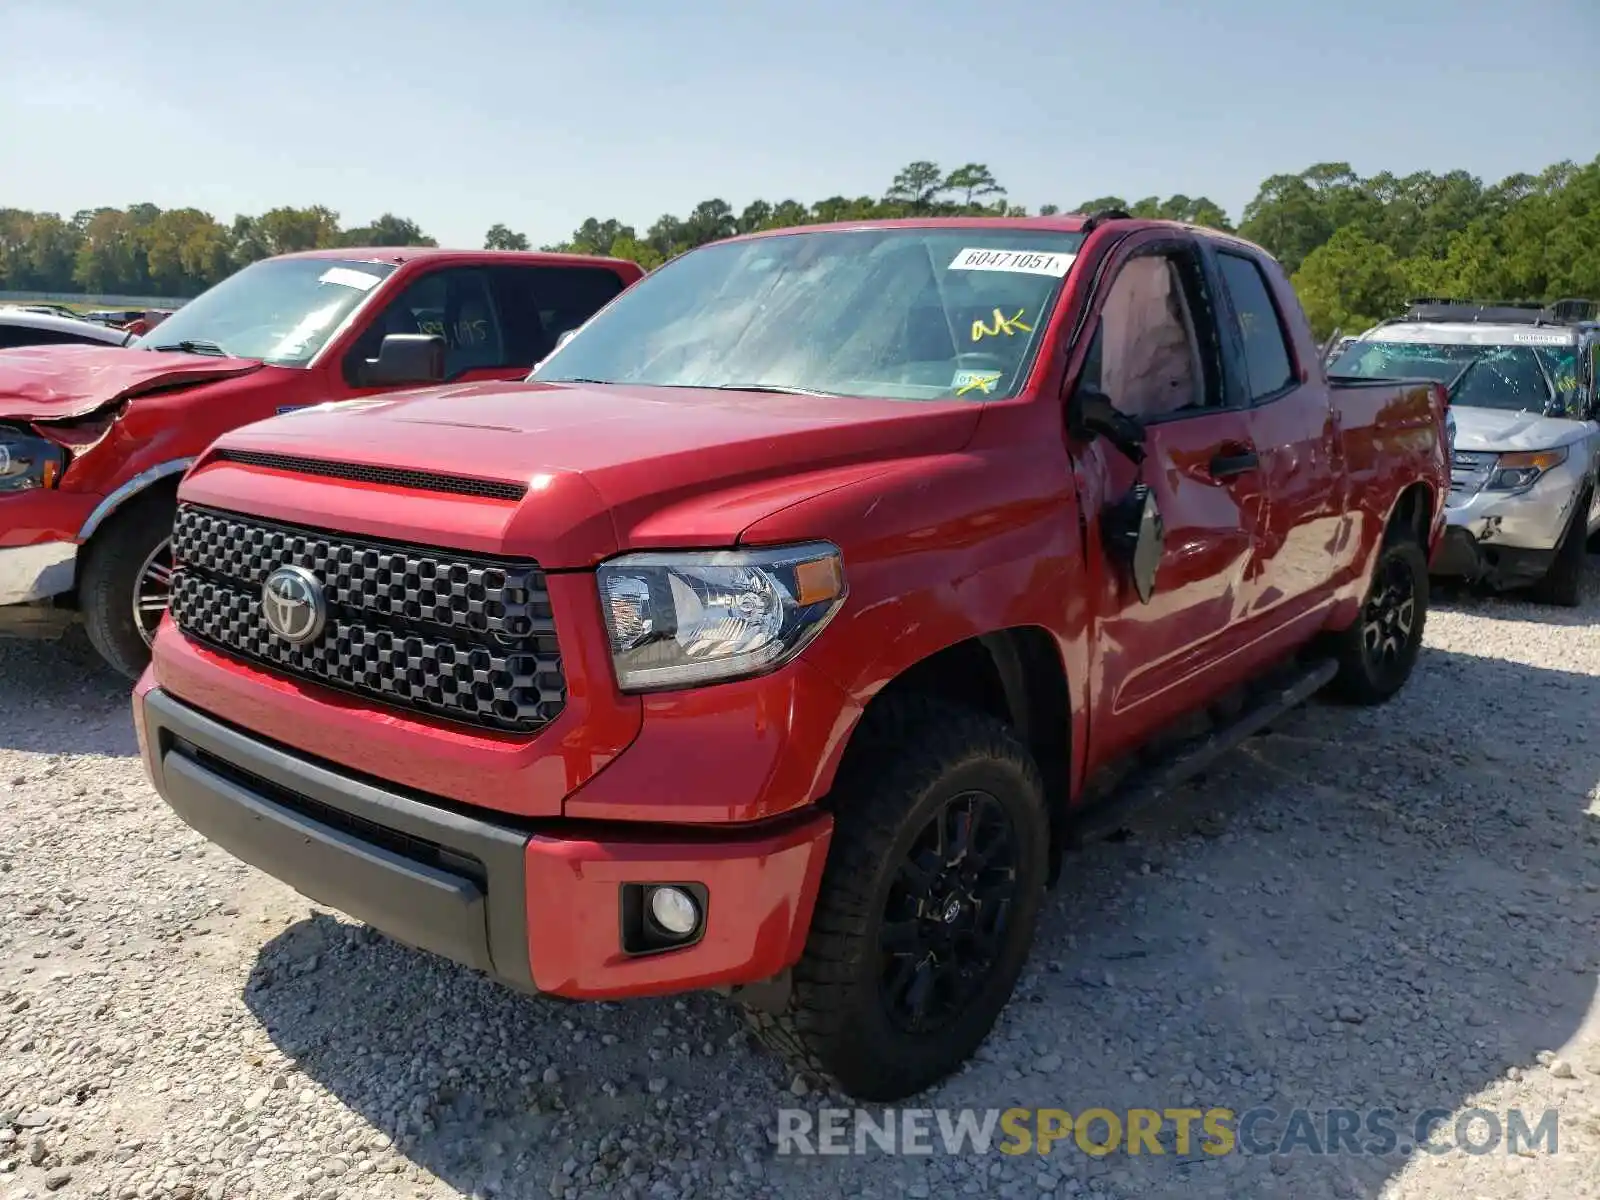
[(1178, 1131)]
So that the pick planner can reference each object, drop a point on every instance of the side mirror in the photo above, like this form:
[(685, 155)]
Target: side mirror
[(404, 359), (1091, 414), (1135, 536)]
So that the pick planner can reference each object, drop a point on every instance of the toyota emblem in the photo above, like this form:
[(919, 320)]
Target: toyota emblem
[(293, 604)]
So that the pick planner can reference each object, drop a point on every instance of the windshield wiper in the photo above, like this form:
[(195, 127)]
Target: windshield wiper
[(196, 347), (768, 387), (1460, 377)]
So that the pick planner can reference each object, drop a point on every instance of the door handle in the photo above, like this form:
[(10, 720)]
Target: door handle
[(1239, 462)]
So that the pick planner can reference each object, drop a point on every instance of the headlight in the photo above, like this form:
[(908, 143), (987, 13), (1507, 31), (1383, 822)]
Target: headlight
[(1519, 472), (29, 461), (679, 619)]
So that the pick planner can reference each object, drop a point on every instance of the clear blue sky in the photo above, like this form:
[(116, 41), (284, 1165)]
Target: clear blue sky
[(535, 114)]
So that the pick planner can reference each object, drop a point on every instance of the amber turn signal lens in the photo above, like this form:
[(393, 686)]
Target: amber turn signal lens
[(818, 580)]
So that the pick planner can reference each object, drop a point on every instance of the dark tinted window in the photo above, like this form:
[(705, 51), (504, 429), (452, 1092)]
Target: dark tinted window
[(493, 317), (457, 304), (539, 304), (1266, 354), (22, 335)]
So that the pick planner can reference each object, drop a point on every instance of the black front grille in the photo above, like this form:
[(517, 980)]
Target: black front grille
[(1469, 471), (422, 481), (466, 638)]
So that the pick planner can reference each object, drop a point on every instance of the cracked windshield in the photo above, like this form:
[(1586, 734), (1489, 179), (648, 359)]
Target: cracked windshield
[(908, 314), (1517, 378)]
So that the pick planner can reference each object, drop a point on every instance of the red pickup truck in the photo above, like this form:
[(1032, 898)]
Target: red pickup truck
[(780, 632), (93, 439)]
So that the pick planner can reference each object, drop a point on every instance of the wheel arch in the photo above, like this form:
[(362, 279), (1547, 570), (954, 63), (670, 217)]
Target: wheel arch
[(1412, 512), (164, 474), (1016, 675)]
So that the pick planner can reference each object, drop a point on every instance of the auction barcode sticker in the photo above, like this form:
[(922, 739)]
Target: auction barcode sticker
[(1543, 339), (1027, 262)]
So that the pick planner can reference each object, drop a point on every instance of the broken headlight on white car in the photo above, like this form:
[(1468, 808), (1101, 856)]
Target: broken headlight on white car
[(680, 619), (1520, 471)]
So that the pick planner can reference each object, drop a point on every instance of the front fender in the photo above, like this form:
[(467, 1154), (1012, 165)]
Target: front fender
[(943, 549)]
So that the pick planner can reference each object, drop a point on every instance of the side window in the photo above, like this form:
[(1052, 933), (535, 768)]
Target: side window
[(63, 337), (1154, 347), (456, 303), (1267, 362), (538, 304)]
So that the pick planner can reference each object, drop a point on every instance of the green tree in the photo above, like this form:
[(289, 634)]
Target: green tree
[(1350, 283), (111, 257), (501, 238), (974, 181), (286, 230), (631, 248), (387, 230), (917, 186)]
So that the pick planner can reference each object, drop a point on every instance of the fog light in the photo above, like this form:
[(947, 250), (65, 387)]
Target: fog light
[(674, 910)]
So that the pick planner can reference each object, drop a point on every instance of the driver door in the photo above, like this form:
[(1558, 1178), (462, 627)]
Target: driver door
[(457, 304), (1156, 353)]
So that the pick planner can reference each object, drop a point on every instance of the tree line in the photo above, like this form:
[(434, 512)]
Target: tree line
[(1357, 247)]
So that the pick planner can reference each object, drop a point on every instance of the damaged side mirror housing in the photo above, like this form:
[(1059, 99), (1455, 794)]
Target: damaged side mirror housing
[(1135, 536), (1090, 414)]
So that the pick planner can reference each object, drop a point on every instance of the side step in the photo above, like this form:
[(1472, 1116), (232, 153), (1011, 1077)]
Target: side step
[(1144, 785)]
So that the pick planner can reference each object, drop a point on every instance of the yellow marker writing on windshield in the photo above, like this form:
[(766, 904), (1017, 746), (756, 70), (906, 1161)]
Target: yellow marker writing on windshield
[(1002, 324), (976, 381)]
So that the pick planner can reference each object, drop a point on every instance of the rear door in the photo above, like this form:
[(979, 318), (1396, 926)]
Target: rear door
[(1157, 353), (1301, 548)]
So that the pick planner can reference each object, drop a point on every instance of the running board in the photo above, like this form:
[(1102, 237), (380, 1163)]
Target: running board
[(1145, 785)]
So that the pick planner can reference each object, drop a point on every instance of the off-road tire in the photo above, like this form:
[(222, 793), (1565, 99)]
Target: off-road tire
[(1366, 678), (910, 758), (110, 570), (1562, 584)]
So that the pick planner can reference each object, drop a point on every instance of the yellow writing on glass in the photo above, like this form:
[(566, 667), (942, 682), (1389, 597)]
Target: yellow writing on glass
[(976, 381), (1002, 324)]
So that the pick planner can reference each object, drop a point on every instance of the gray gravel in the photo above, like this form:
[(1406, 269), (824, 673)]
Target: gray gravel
[(1396, 908)]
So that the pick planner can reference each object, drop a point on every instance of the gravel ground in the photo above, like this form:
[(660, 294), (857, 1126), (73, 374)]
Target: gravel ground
[(1397, 909)]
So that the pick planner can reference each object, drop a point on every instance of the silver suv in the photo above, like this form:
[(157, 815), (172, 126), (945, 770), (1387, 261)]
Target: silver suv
[(1526, 448)]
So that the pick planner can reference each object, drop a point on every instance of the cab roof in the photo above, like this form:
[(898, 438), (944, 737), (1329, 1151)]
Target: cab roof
[(404, 254)]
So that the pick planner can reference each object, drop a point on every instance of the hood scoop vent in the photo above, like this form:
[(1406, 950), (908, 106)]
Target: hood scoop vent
[(419, 481)]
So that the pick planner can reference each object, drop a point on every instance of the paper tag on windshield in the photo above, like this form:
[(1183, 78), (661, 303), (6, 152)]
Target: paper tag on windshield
[(1541, 339), (967, 382), (1026, 262), (359, 280)]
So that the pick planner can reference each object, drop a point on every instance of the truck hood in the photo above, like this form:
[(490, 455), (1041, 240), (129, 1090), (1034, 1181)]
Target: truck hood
[(1499, 430), (606, 468), (58, 383)]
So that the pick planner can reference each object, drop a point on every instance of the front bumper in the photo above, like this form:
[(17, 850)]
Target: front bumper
[(1531, 520), (1461, 555), (536, 905), (37, 572)]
